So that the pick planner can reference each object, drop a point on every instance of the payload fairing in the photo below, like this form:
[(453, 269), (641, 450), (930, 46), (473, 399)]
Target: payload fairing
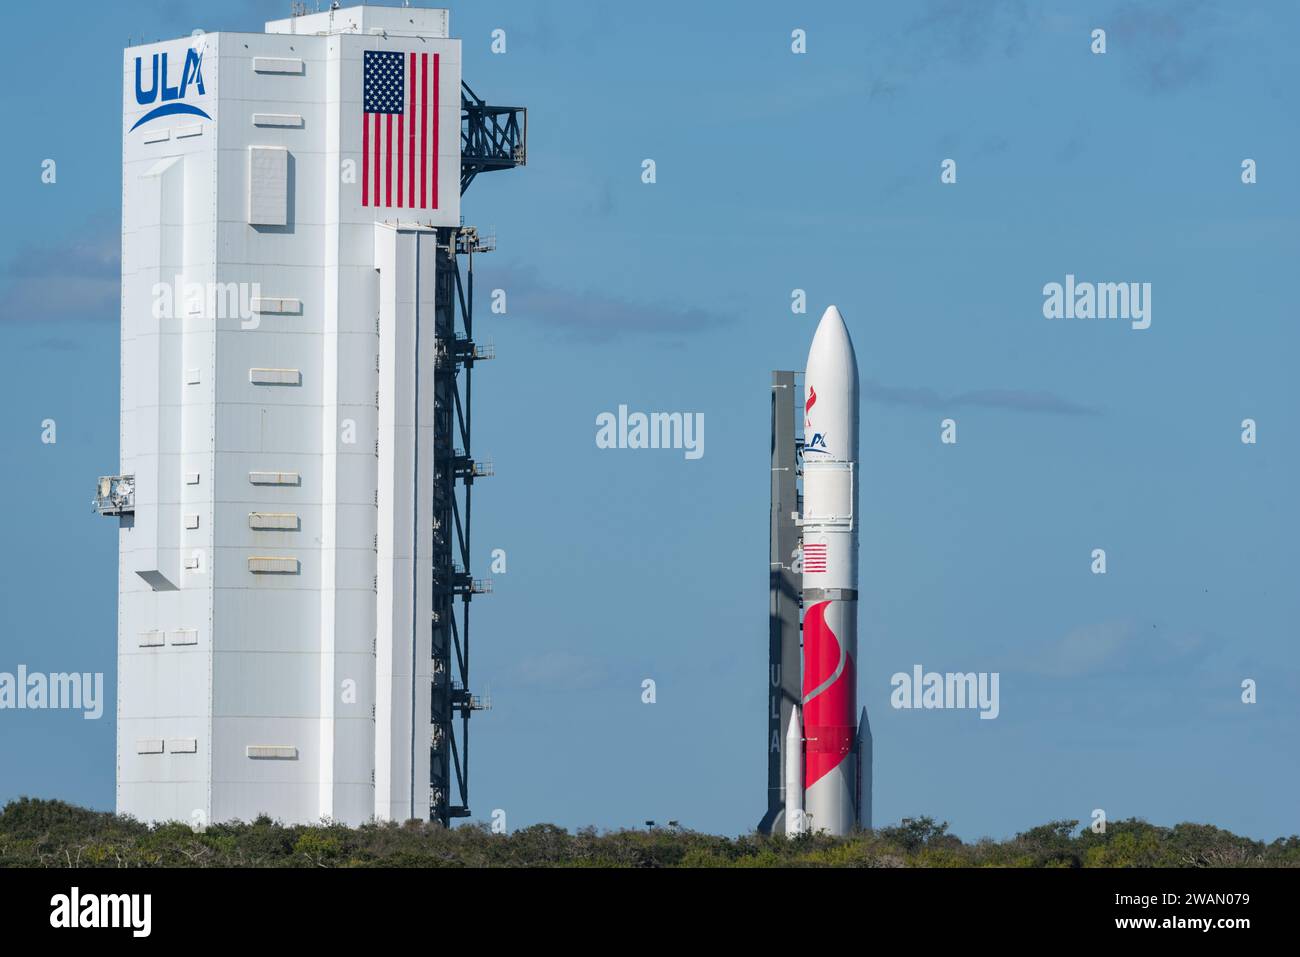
[(836, 752)]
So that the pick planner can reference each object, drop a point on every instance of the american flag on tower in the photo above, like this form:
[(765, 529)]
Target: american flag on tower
[(399, 130)]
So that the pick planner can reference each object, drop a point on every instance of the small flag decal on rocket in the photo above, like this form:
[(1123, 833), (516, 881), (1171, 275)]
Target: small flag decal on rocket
[(814, 559)]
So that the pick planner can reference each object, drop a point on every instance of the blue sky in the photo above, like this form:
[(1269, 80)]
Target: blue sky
[(778, 171)]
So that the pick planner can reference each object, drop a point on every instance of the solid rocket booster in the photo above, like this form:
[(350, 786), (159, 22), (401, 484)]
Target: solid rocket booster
[(794, 775), (864, 772), (837, 783)]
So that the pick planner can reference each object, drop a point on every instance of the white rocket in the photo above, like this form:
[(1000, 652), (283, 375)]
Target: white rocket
[(794, 776), (836, 755)]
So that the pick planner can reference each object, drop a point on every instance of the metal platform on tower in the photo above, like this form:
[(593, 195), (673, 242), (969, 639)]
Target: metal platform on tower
[(492, 138)]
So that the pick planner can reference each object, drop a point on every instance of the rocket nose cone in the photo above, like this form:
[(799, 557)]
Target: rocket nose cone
[(832, 328), (832, 348), (831, 315)]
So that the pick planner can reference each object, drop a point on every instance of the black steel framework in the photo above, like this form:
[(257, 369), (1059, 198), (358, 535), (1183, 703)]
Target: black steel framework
[(453, 466), (492, 138)]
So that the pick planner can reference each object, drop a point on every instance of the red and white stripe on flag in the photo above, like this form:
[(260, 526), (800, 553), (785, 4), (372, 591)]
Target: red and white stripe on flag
[(814, 558), (399, 129)]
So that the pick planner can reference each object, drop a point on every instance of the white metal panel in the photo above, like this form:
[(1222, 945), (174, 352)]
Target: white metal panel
[(268, 186), (403, 257), (830, 485), (254, 618), (273, 520), (273, 64), (275, 752), (277, 305), (272, 564), (274, 478), (288, 423), (368, 19), (168, 235), (275, 376), (286, 120), (185, 636)]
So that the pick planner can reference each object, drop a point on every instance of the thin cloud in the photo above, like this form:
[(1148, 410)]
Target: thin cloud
[(78, 279), (559, 671), (1014, 400), (1167, 49), (1087, 649), (944, 33), (1125, 646), (964, 32), (598, 316)]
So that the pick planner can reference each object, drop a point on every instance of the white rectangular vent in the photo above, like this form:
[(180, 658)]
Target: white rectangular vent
[(264, 305), (185, 636), (191, 521), (275, 64), (158, 136), (191, 478), (190, 129), (268, 186), (274, 478), (274, 520), (150, 639), (191, 376), (275, 376), (283, 120), (149, 746), (274, 752), (182, 745), (272, 565)]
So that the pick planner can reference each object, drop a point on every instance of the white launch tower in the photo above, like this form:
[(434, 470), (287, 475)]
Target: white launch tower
[(283, 197)]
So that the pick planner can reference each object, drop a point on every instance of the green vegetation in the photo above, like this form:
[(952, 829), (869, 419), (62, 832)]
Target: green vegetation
[(36, 833)]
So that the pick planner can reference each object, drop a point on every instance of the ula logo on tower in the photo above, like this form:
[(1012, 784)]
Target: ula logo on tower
[(191, 74)]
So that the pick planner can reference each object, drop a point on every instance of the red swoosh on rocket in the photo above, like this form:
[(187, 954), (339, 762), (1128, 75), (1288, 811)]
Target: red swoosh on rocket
[(829, 722)]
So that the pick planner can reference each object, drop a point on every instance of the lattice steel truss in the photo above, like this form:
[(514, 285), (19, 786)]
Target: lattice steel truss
[(492, 138)]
